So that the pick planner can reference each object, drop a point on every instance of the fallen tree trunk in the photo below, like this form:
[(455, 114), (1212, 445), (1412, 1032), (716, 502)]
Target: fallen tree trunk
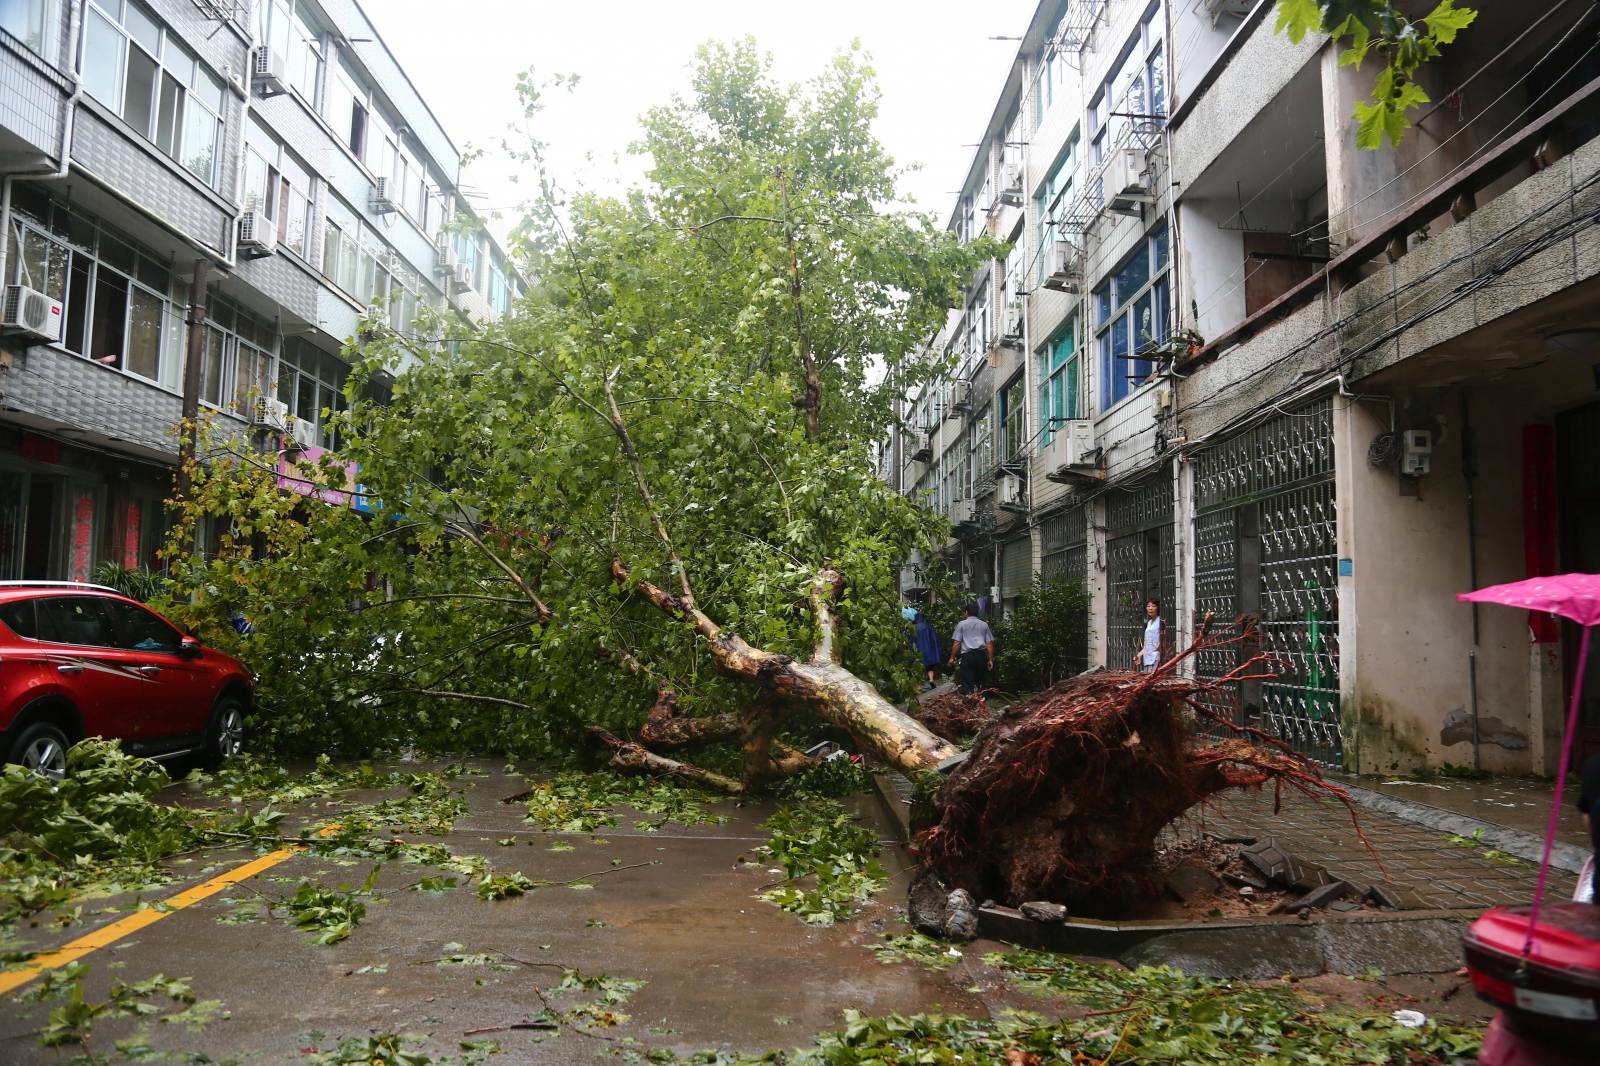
[(820, 684)]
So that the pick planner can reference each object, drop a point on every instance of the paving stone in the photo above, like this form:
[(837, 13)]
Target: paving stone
[(1044, 912)]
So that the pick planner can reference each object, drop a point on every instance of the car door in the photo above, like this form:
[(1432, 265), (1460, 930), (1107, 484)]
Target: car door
[(75, 632), (173, 700)]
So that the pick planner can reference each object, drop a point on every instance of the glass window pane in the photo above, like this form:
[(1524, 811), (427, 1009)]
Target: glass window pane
[(172, 353), (211, 368), (179, 61), (144, 333), (208, 89), (108, 330), (103, 46), (79, 620), (305, 405), (1133, 276), (138, 91), (170, 119), (142, 27), (199, 143), (136, 629)]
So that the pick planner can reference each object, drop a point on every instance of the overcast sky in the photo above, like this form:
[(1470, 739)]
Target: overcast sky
[(938, 72)]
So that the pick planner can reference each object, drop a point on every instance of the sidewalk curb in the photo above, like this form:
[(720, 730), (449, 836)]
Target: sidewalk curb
[(1515, 842)]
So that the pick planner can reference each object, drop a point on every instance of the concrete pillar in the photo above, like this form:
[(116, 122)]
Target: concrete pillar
[(1096, 575), (1182, 611)]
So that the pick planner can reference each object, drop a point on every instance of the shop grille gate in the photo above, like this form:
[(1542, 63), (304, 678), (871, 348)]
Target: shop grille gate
[(1265, 547), (1064, 547), (1139, 562)]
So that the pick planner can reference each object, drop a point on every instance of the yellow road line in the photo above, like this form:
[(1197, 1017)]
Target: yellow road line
[(132, 923)]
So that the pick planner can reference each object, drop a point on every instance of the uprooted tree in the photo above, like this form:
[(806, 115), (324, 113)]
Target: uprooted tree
[(637, 513), (654, 475)]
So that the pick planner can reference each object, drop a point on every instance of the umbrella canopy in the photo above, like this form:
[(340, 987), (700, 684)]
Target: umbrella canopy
[(1574, 596)]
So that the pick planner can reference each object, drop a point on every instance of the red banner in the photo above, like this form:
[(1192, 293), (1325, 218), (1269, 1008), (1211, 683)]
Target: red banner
[(1539, 528)]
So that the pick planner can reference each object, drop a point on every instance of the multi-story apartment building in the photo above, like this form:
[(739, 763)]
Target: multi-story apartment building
[(1237, 364), (280, 145)]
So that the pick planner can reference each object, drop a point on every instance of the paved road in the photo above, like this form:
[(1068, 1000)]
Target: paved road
[(674, 909), (721, 968)]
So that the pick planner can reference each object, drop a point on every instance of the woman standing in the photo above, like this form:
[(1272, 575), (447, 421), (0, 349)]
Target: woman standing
[(1155, 638)]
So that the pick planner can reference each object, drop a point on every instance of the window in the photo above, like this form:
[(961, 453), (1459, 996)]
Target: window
[(1013, 419), (134, 66), (79, 620), (118, 296), (346, 110), (1058, 383), (287, 28), (19, 618), (136, 629), (34, 23), (1134, 96), (278, 185), (309, 382), (1132, 317), (1054, 201), (236, 360), (982, 434)]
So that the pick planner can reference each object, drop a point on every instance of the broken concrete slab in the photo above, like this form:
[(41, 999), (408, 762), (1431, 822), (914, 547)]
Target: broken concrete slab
[(1323, 895)]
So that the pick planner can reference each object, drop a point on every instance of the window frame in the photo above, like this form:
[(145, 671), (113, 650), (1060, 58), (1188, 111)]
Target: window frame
[(1115, 313), (1057, 405)]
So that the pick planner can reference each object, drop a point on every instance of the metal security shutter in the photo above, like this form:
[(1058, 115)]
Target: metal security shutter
[(1140, 562), (1265, 547), (1064, 541), (1016, 567)]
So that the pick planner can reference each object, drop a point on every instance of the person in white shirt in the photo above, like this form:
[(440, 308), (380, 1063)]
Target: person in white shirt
[(1155, 638), (971, 647)]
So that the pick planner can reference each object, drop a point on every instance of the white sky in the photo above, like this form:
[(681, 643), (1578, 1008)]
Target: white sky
[(938, 73)]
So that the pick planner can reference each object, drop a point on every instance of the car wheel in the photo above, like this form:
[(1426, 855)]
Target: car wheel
[(225, 733), (42, 748)]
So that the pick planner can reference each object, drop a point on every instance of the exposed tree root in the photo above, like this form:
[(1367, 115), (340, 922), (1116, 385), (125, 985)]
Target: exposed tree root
[(953, 715), (1064, 795)]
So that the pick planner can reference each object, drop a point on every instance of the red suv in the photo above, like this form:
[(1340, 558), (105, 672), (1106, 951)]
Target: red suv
[(83, 660)]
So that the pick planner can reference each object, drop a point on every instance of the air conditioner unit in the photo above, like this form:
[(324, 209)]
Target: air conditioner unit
[(258, 237), (1071, 453), (1066, 270), (1221, 9), (444, 256), (460, 279), (1015, 315), (266, 72), (922, 447), (273, 414), (960, 396), (961, 512), (302, 435), (30, 313), (379, 200), (1011, 191), (1126, 189), (1009, 492)]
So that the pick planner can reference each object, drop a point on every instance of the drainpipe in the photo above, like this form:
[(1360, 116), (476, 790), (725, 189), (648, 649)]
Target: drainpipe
[(63, 148), (189, 439), (1469, 472)]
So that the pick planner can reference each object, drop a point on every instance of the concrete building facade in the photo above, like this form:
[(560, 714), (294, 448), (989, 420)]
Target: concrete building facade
[(280, 143), (1263, 373)]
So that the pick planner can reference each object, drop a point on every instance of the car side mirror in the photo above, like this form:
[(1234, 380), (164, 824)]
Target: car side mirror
[(189, 647)]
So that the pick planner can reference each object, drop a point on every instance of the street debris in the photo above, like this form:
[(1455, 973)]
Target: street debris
[(829, 861)]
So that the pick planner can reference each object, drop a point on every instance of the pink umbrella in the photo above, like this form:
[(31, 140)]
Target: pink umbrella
[(1574, 596)]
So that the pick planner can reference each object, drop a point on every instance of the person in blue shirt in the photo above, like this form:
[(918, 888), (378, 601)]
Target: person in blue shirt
[(926, 640), (972, 650)]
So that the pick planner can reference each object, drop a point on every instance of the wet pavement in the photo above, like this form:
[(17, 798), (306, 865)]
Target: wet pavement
[(1517, 803), (1430, 869), (673, 908)]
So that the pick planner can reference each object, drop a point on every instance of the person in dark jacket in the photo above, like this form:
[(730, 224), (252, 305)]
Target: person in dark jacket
[(926, 639), (1589, 804)]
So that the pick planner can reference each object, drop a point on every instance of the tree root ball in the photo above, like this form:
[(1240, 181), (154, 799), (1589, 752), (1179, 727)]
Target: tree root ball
[(1064, 795)]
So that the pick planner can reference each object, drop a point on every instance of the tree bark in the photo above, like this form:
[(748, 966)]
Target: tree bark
[(828, 689)]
